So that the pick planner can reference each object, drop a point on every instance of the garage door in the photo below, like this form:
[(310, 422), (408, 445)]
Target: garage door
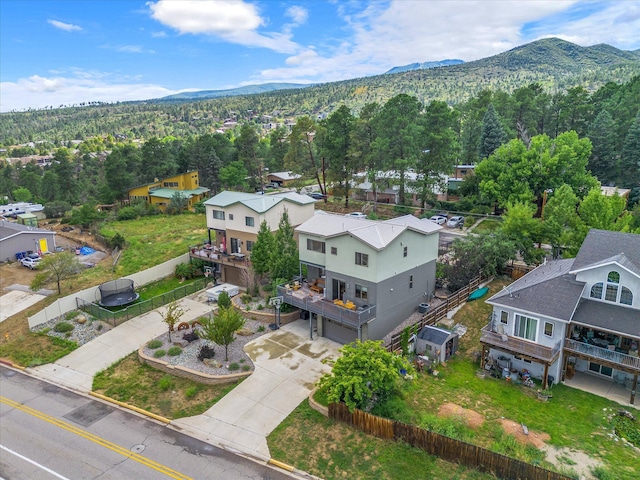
[(337, 332), (233, 276)]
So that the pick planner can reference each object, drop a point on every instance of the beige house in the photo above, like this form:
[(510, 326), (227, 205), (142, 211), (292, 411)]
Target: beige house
[(234, 219)]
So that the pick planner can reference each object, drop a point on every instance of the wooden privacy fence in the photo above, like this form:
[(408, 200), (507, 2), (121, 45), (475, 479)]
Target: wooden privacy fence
[(446, 448), (517, 271), (438, 313), (116, 317)]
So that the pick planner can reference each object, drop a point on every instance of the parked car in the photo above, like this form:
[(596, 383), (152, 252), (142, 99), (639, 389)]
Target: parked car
[(30, 262), (356, 215), (317, 195), (439, 219), (456, 222)]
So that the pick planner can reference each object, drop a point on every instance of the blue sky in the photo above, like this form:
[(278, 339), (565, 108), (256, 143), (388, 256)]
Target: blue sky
[(67, 52)]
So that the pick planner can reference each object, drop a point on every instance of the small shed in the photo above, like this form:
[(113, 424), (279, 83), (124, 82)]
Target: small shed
[(28, 219), (436, 343)]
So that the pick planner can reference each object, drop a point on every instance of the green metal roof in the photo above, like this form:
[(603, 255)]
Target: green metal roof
[(170, 192)]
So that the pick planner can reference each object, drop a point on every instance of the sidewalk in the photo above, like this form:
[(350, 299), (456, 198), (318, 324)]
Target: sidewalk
[(287, 366)]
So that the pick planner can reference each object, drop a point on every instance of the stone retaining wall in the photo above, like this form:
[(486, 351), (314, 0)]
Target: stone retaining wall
[(264, 316), (183, 372)]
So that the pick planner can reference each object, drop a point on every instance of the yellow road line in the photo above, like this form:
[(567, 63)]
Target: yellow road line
[(95, 439)]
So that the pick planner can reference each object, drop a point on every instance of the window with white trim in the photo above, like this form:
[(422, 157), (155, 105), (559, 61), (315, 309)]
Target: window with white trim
[(548, 329), (316, 245), (218, 214), (404, 253), (626, 296), (525, 327), (596, 291), (231, 216), (504, 317), (334, 250), (362, 259), (249, 221)]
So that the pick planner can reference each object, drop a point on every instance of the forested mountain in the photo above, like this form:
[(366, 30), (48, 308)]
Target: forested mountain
[(425, 65), (555, 65), (246, 90)]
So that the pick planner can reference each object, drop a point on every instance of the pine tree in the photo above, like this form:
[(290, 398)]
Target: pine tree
[(285, 263), (492, 135), (603, 154), (630, 159), (262, 250)]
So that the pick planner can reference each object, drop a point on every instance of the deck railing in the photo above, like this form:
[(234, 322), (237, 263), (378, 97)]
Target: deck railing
[(600, 353), (516, 345), (215, 256), (321, 306)]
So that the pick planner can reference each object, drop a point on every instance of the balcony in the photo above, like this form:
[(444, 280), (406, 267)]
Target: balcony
[(210, 254), (517, 346), (316, 303), (617, 360)]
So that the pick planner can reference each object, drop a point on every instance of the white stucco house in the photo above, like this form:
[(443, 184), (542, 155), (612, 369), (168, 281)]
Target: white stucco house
[(577, 315)]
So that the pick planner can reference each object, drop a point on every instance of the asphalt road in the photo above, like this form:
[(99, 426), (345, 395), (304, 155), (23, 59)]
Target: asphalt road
[(47, 432)]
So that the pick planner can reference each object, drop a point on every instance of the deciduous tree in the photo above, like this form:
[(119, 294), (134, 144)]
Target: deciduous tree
[(171, 316), (222, 329), (55, 268)]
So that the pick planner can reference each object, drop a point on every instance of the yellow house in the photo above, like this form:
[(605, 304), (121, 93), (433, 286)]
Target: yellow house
[(161, 192)]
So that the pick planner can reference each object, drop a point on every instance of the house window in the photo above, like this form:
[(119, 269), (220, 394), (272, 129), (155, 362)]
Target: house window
[(231, 216), (249, 221), (526, 327), (410, 281), (249, 245), (218, 214), (405, 252), (613, 277), (361, 292), (611, 293), (504, 317), (334, 250), (596, 291), (316, 246), (548, 329), (626, 297), (362, 259)]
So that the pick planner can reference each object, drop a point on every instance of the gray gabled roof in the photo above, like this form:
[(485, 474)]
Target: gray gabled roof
[(548, 290), (608, 316), (9, 229), (600, 245), (435, 335)]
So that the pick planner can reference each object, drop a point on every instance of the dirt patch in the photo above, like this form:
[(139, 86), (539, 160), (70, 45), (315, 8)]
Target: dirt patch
[(14, 273), (579, 461), (471, 419), (537, 439)]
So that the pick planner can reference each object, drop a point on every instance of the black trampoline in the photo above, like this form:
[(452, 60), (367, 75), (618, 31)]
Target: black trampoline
[(117, 293)]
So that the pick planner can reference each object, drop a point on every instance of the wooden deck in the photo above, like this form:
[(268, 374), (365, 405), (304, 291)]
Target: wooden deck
[(517, 346)]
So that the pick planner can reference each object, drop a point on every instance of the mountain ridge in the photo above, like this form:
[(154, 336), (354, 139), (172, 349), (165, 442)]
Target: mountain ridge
[(425, 65)]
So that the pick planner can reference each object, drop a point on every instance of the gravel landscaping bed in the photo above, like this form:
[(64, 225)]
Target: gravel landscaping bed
[(188, 358)]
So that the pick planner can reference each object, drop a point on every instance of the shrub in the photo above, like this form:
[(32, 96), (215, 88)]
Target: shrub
[(186, 270), (268, 288), (70, 315), (261, 328), (99, 327), (260, 307), (206, 351), (174, 351), (128, 213), (153, 344), (224, 301), (233, 367), (191, 392), (190, 336), (402, 209), (246, 298), (246, 368), (165, 383), (63, 327), (159, 353)]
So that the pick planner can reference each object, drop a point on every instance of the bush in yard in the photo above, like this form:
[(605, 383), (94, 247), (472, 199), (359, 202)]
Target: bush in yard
[(224, 300), (233, 367), (174, 351), (63, 327), (190, 336), (222, 329), (186, 270), (206, 351), (165, 383), (153, 344), (364, 375), (159, 353)]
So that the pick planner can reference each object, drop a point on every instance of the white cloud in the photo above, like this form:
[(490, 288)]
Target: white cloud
[(40, 92), (161, 34), (232, 21), (67, 27), (298, 14), (132, 49)]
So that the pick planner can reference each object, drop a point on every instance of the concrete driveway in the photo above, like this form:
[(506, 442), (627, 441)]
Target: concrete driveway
[(17, 300), (287, 366)]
